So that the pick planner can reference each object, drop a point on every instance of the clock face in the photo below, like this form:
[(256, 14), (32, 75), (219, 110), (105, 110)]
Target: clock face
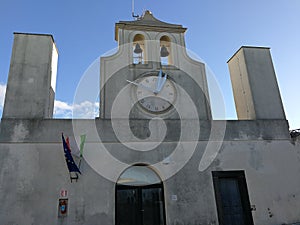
[(154, 99)]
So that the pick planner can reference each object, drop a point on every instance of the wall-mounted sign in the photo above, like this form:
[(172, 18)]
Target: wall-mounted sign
[(62, 207), (174, 197), (63, 193)]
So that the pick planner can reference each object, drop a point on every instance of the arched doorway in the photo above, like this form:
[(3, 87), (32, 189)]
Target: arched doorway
[(140, 197)]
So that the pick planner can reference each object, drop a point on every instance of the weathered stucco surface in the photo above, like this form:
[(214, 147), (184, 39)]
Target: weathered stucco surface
[(33, 171)]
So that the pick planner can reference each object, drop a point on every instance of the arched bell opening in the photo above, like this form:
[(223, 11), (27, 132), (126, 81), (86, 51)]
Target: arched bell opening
[(139, 197), (165, 50), (138, 49)]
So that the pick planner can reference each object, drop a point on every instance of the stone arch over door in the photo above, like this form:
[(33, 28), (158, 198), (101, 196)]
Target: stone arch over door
[(139, 197)]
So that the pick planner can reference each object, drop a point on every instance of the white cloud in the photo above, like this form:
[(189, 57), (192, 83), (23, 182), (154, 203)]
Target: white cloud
[(2, 95), (62, 109), (86, 110)]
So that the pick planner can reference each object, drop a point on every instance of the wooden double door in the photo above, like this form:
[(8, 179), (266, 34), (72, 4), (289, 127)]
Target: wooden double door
[(140, 205)]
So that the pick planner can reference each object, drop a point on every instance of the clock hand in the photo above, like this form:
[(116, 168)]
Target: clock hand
[(162, 83), (158, 81), (142, 86)]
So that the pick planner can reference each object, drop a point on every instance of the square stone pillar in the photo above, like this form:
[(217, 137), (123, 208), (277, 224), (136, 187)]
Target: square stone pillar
[(32, 77), (255, 89)]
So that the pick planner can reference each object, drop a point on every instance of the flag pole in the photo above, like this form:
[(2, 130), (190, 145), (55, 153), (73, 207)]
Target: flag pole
[(79, 164)]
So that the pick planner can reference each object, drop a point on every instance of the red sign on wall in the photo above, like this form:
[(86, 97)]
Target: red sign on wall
[(63, 193)]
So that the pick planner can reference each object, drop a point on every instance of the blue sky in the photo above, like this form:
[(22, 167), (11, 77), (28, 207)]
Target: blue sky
[(84, 30)]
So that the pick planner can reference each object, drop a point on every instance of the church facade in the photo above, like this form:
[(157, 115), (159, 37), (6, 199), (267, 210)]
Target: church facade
[(155, 155)]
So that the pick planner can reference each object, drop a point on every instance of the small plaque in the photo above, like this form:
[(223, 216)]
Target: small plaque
[(174, 197)]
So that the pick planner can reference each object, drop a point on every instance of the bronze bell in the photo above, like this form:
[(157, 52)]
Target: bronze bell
[(138, 49), (164, 51)]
